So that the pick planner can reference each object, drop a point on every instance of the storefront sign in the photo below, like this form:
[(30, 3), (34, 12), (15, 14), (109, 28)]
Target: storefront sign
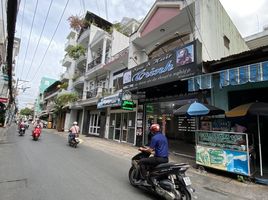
[(3, 100), (110, 101), (226, 140), (127, 105), (227, 160), (177, 64)]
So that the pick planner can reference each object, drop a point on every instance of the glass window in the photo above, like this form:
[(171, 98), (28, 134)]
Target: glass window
[(265, 71), (243, 74), (118, 120)]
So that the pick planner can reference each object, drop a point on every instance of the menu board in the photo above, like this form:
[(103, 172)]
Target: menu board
[(226, 140)]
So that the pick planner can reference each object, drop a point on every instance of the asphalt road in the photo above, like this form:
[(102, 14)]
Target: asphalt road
[(49, 169)]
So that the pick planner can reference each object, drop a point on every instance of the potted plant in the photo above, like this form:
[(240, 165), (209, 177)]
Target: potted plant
[(76, 51)]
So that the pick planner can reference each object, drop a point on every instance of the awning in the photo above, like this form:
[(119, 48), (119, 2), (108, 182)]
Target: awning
[(256, 72)]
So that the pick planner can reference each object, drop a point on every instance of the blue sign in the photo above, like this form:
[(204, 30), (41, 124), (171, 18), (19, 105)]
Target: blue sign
[(110, 101)]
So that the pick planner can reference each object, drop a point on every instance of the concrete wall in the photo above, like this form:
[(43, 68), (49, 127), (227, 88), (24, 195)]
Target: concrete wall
[(213, 22), (119, 42)]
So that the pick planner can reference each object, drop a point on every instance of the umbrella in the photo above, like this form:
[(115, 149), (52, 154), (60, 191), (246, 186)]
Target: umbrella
[(198, 109), (256, 108)]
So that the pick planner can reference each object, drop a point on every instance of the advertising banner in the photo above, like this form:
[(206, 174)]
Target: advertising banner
[(223, 159), (180, 63)]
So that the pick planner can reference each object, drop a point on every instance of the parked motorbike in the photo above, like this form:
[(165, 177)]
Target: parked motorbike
[(21, 130), (73, 141), (36, 132), (167, 180)]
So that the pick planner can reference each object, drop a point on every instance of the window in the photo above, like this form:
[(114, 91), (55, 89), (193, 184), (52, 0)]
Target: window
[(226, 42), (118, 83)]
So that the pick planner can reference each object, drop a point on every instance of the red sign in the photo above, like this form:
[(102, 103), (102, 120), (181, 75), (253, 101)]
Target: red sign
[(3, 100)]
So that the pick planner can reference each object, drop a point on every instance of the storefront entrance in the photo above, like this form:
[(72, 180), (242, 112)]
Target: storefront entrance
[(237, 98), (179, 130), (94, 123), (122, 127)]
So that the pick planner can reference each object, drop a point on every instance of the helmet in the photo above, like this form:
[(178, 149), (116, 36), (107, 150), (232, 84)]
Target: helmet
[(74, 123), (155, 128)]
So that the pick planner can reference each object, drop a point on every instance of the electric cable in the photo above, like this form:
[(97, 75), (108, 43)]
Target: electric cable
[(29, 37), (39, 39), (16, 68), (34, 76)]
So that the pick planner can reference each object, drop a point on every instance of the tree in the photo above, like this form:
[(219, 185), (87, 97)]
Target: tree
[(27, 112), (63, 100)]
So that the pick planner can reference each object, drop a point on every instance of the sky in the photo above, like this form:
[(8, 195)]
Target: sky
[(31, 65)]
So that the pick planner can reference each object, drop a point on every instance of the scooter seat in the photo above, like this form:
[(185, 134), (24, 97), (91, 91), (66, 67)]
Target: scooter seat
[(165, 165)]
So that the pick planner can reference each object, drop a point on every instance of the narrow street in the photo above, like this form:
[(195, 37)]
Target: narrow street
[(49, 169)]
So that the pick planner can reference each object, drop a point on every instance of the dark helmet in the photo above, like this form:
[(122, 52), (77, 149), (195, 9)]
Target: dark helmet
[(155, 128)]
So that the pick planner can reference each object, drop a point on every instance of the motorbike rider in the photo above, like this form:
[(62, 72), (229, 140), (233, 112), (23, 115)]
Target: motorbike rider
[(74, 131), (38, 122), (158, 145), (20, 124)]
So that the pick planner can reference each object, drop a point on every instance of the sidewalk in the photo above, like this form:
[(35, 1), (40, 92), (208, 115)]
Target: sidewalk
[(202, 181), (3, 135)]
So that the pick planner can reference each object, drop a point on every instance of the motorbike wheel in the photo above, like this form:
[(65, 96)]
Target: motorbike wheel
[(131, 175), (185, 195)]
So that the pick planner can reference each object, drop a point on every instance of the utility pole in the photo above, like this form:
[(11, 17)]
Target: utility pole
[(10, 113)]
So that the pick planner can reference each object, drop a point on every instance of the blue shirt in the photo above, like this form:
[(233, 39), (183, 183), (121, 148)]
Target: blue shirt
[(160, 145)]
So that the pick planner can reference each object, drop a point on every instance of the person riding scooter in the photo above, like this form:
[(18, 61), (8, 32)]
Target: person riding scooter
[(38, 125), (74, 132), (159, 145)]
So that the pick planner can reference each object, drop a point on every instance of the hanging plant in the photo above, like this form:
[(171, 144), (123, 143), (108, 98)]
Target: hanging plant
[(77, 23), (76, 51)]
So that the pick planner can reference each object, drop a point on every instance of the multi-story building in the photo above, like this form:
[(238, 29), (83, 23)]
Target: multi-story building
[(39, 102), (91, 74), (165, 62)]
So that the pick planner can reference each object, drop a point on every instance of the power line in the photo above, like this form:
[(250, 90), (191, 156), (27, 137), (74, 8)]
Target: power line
[(50, 41), (106, 10), (29, 37), (189, 11), (39, 39), (16, 68), (98, 7)]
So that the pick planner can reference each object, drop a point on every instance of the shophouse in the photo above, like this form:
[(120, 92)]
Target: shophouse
[(50, 95), (240, 79), (102, 41), (39, 102), (165, 53)]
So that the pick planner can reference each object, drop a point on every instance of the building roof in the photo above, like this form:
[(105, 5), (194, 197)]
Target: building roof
[(258, 39), (245, 58), (52, 86)]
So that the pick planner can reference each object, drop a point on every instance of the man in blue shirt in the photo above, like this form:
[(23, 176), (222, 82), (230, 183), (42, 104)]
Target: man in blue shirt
[(159, 145)]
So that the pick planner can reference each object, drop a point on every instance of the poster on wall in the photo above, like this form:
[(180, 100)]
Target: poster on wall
[(227, 160)]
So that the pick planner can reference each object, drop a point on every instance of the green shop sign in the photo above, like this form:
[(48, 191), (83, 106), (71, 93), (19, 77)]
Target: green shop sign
[(127, 105)]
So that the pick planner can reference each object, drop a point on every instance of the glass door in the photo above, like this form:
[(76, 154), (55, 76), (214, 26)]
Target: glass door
[(117, 126), (112, 126), (124, 127), (131, 127)]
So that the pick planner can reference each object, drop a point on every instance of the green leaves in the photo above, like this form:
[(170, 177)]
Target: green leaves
[(76, 51), (27, 112), (63, 99)]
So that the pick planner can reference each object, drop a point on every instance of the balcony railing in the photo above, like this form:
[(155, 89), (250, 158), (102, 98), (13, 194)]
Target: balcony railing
[(97, 92), (94, 63), (118, 55)]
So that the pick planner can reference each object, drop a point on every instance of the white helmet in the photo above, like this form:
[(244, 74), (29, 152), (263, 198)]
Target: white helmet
[(75, 123)]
